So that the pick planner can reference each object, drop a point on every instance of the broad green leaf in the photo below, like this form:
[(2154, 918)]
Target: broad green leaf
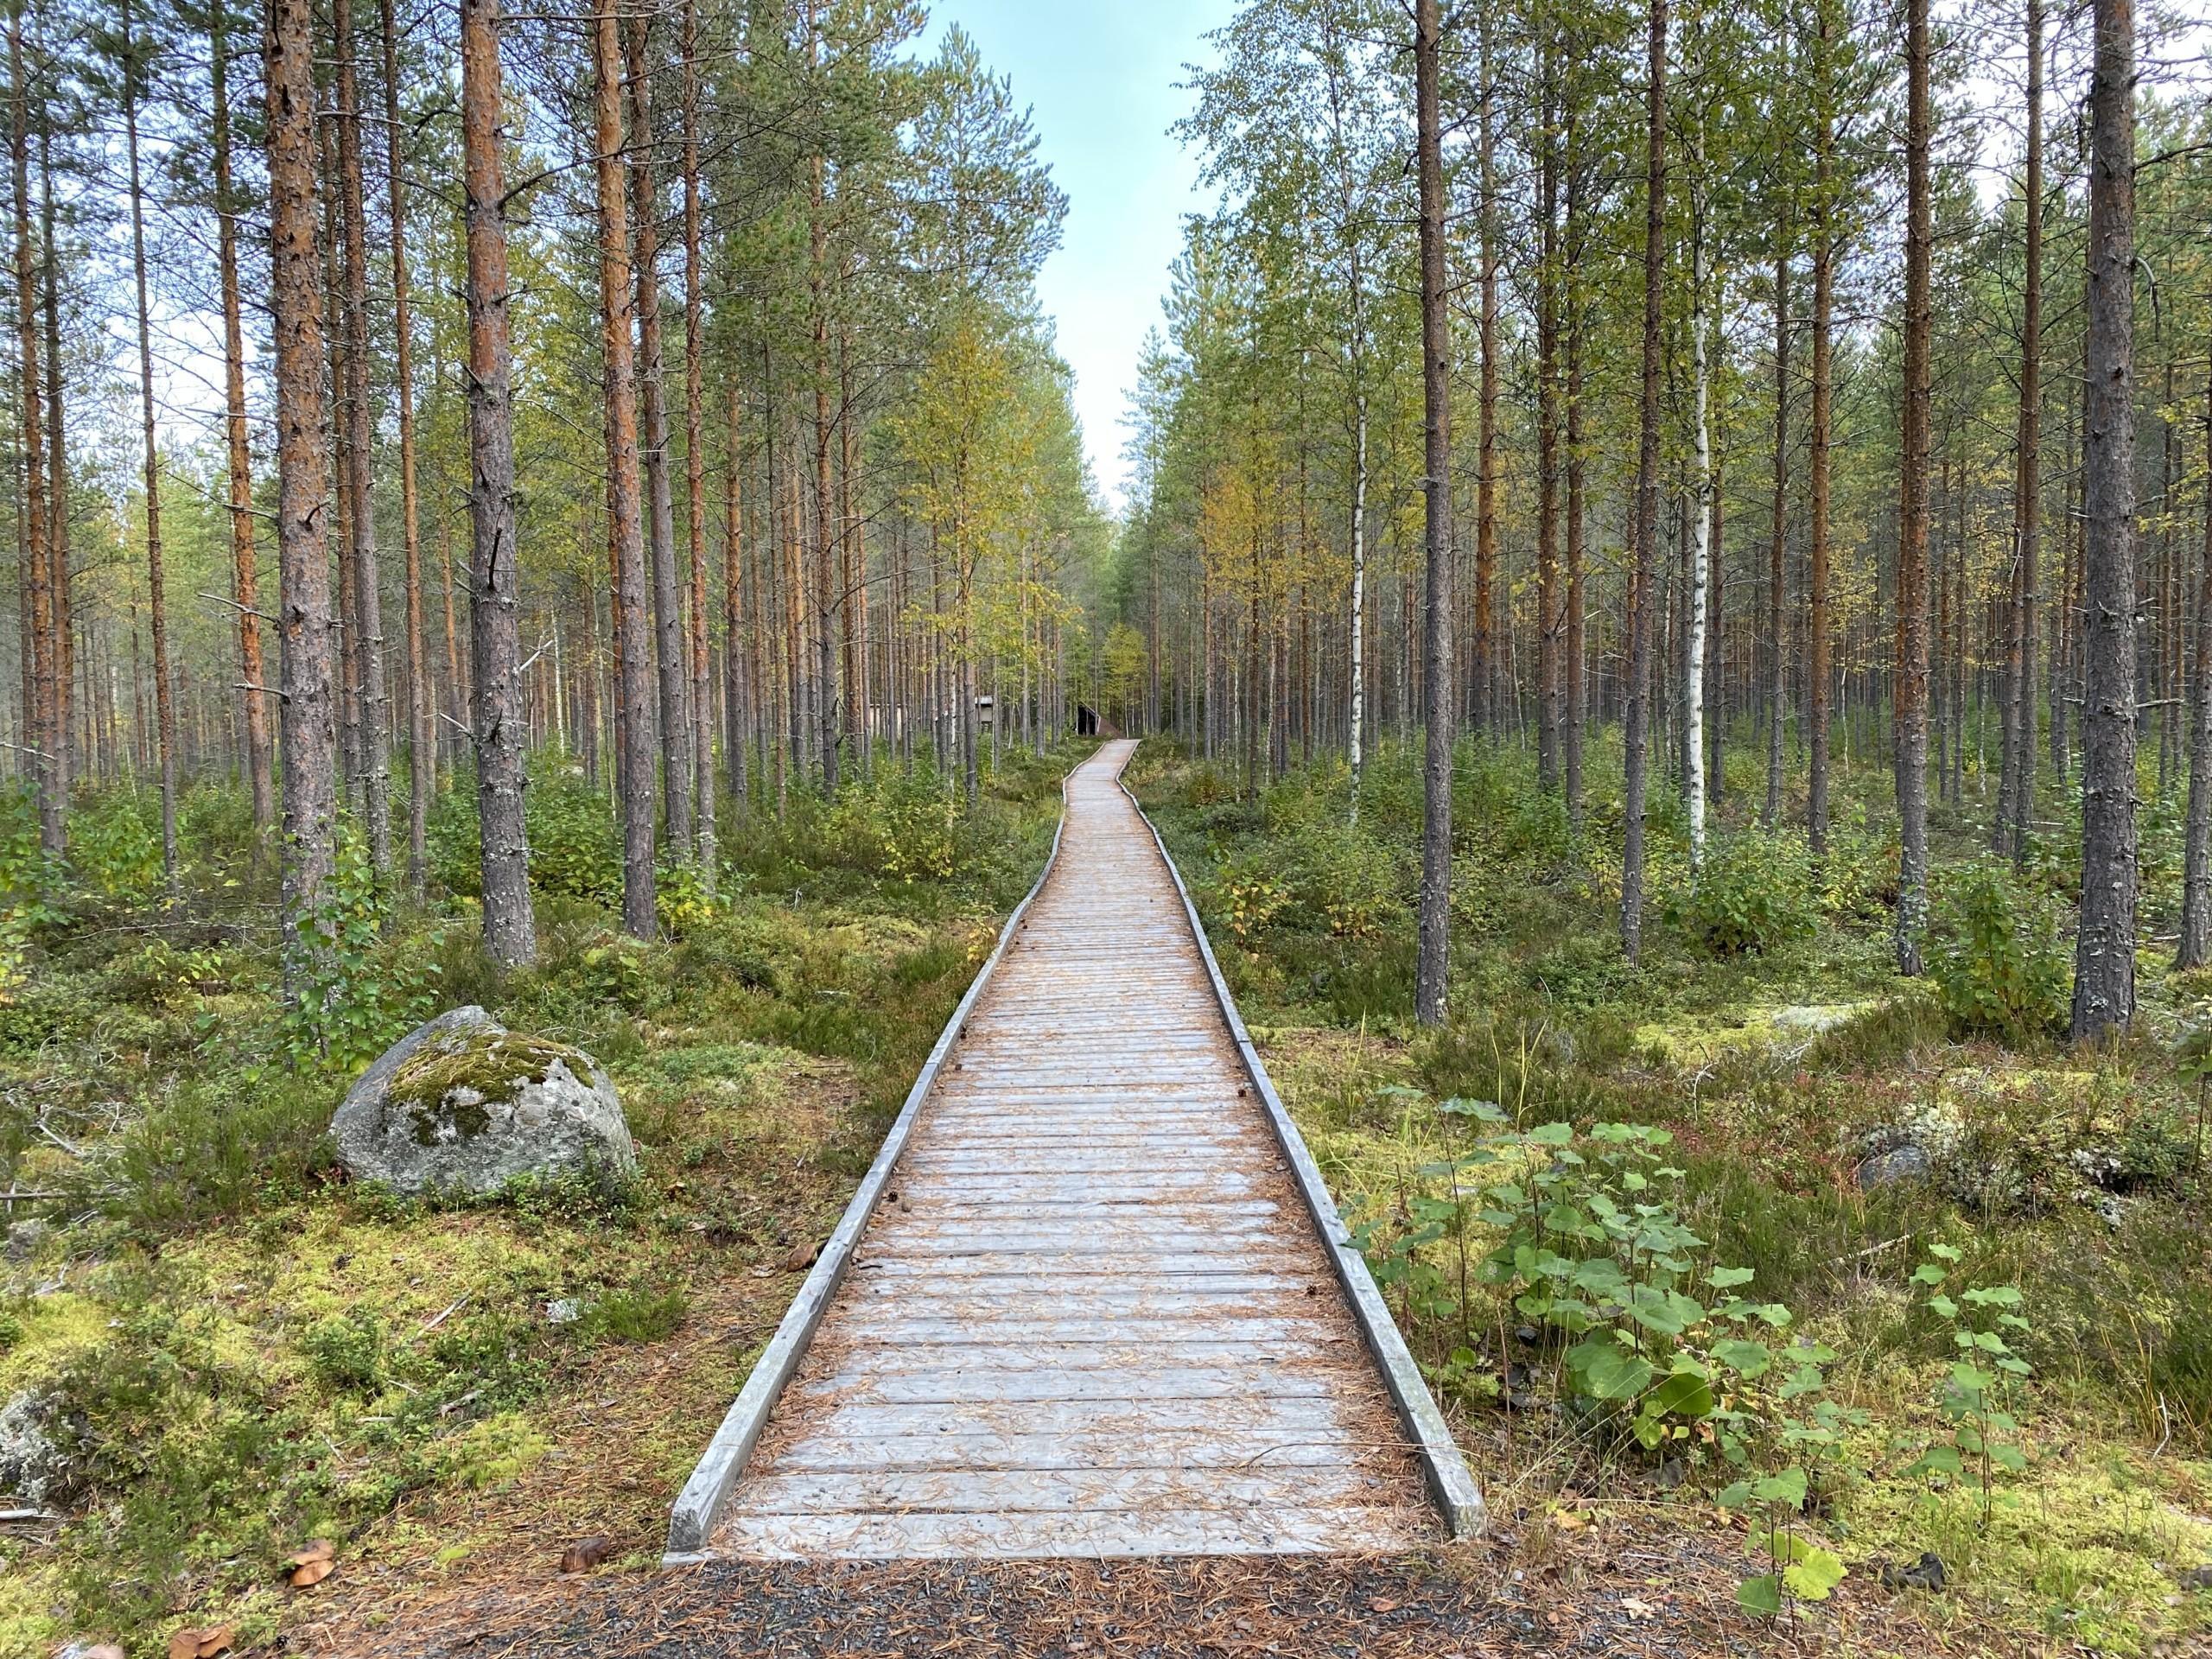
[(1743, 1356), (1685, 1394), (1787, 1487), (1815, 1576), (1760, 1597)]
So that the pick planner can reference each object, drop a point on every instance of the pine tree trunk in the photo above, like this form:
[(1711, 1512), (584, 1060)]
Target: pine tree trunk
[(494, 572), (1547, 596), (1779, 540), (2104, 959), (1484, 715), (422, 777), (156, 586), (1434, 960), (57, 498), (1910, 686), (825, 666), (2027, 498), (42, 737), (625, 522), (2195, 946), (306, 706), (1701, 529), (1644, 572), (738, 639), (1574, 668), (245, 577), (671, 655), (367, 588), (694, 460), (1818, 672)]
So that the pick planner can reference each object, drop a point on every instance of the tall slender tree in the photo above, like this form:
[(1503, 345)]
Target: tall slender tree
[(2104, 952), (307, 692), (2017, 800), (494, 571), (1434, 960), (133, 71), (695, 459), (625, 528), (1910, 680), (1819, 669), (670, 654), (245, 574), (422, 767), (364, 581), (1644, 573), (41, 734)]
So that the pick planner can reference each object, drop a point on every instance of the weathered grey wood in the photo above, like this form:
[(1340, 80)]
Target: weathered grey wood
[(1271, 1529), (703, 1494), (1012, 1491), (1089, 1312), (1445, 1468), (1241, 1449)]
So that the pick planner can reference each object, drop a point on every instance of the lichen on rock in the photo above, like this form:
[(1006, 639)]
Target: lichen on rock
[(446, 1088), (462, 1105)]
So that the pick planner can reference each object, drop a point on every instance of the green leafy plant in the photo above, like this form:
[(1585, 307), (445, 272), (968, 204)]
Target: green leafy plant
[(1797, 1569), (355, 996), (1753, 893), (1995, 958), (2192, 1053), (1981, 1391)]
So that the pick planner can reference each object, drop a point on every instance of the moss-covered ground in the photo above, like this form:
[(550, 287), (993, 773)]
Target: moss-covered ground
[(1766, 1031), (231, 1351)]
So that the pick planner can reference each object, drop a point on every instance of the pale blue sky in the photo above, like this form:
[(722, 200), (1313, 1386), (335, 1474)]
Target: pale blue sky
[(1100, 77)]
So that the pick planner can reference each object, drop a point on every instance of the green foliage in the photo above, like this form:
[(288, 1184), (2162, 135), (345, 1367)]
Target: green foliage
[(1995, 958), (115, 845), (356, 991), (902, 825), (213, 1145), (1754, 892), (344, 1352), (1982, 1386), (644, 1313), (575, 844)]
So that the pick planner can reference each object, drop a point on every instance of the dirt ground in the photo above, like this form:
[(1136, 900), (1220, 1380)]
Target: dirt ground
[(1610, 1587)]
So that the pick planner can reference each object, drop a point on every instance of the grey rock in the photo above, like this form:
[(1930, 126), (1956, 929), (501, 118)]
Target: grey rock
[(25, 1237), (1929, 1572), (463, 1105), (1894, 1167), (31, 1465), (1811, 1019), (2197, 1578)]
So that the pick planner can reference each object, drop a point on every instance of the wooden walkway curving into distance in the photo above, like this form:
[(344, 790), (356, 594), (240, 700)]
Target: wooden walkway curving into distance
[(1091, 1299)]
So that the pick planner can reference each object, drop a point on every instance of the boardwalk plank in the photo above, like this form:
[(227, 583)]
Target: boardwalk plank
[(1090, 1314)]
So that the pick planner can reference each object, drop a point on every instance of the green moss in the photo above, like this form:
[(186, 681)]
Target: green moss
[(54, 1330), (494, 1451), (2089, 1549), (445, 1089)]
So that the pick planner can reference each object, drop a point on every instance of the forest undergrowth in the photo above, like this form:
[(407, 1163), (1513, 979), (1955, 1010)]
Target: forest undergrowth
[(1755, 1231), (217, 1356)]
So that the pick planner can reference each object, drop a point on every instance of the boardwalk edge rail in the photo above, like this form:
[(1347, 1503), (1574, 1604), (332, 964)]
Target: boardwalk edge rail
[(1450, 1481), (700, 1504)]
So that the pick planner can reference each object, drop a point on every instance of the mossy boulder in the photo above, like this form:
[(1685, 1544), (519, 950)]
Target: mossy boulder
[(463, 1106)]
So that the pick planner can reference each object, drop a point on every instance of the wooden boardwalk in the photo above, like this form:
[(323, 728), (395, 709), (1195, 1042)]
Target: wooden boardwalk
[(1086, 1310)]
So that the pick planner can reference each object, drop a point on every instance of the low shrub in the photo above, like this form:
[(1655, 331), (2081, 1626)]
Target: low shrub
[(1753, 893), (1995, 958)]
